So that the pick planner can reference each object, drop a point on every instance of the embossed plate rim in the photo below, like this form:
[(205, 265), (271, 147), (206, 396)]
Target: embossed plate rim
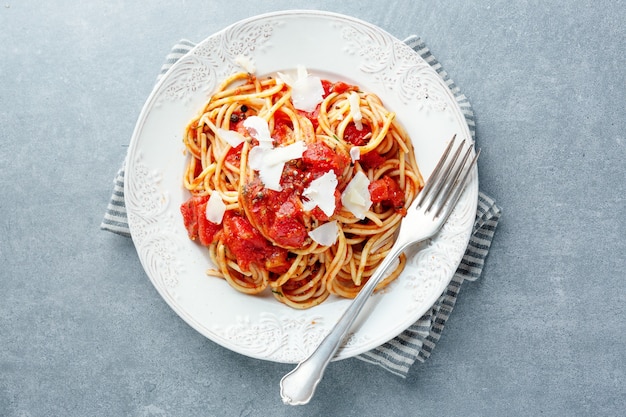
[(255, 326)]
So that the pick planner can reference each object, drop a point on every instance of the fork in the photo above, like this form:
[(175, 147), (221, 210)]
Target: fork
[(425, 217)]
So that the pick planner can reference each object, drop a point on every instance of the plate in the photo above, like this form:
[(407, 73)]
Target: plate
[(333, 46)]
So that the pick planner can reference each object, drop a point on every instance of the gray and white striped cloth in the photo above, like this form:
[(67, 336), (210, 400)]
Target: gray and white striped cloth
[(418, 341)]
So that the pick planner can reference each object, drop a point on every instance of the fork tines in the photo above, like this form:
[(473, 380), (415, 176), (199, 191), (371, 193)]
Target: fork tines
[(447, 181)]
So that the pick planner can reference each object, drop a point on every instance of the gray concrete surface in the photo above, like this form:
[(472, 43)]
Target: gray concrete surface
[(543, 332)]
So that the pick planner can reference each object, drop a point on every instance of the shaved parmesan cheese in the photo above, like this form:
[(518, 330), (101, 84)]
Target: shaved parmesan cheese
[(286, 78), (355, 109), (355, 153), (215, 208), (302, 72), (270, 176), (231, 137), (246, 63), (325, 234), (307, 94), (356, 197), (307, 91), (283, 154), (321, 193), (259, 129), (269, 162)]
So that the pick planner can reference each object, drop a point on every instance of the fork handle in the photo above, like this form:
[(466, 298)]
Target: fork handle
[(298, 386)]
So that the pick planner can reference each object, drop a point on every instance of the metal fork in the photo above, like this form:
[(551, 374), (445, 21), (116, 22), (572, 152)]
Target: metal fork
[(424, 219)]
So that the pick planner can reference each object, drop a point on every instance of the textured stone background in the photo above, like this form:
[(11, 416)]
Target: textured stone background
[(84, 333)]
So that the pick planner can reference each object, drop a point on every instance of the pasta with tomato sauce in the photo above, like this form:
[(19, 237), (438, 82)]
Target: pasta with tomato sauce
[(297, 185)]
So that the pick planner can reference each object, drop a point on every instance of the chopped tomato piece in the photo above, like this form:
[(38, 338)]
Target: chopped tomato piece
[(386, 189), (312, 116), (288, 232), (196, 223), (338, 87), (206, 229), (274, 214), (355, 136), (283, 129), (276, 261), (371, 160), (249, 246), (341, 87), (286, 229), (319, 157), (243, 240), (327, 86), (189, 210), (233, 156)]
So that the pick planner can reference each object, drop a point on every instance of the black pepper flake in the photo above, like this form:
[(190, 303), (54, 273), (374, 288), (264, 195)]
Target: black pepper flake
[(234, 118), (244, 108)]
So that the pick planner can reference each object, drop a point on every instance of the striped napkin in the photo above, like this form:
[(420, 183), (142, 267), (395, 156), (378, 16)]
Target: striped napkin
[(418, 341)]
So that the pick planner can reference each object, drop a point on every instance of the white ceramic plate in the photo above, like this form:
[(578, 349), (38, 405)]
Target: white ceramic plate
[(338, 48)]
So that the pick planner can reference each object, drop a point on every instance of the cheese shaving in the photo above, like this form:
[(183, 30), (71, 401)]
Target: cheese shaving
[(231, 137), (215, 208), (321, 193), (269, 162), (259, 129), (307, 90), (355, 153), (356, 197), (325, 234), (246, 63)]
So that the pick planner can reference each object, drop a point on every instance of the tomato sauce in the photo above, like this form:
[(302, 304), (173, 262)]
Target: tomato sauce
[(386, 190), (357, 137), (283, 129), (337, 87), (274, 213), (196, 223), (320, 158), (371, 160), (233, 156), (249, 246), (274, 221), (329, 87), (278, 215)]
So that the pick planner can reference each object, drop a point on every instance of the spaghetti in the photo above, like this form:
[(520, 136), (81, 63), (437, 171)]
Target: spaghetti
[(303, 199)]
